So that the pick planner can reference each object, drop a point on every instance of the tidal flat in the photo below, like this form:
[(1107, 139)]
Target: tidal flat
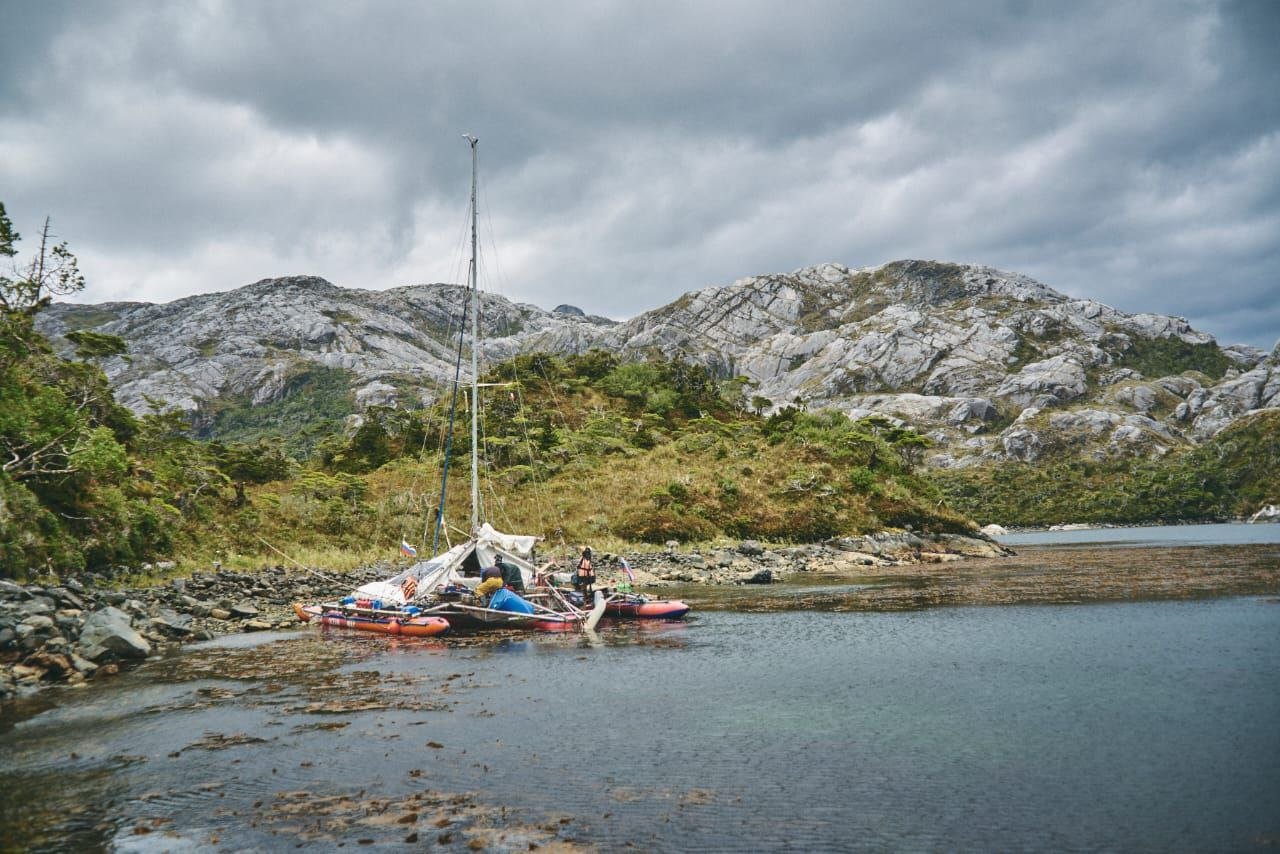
[(1035, 575)]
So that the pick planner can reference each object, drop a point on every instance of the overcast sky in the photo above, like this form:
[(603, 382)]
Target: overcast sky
[(1128, 151)]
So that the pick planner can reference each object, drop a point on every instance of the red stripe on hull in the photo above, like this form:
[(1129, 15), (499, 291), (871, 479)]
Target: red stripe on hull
[(663, 609), (418, 627)]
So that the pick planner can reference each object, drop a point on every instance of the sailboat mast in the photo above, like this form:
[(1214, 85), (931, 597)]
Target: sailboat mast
[(475, 350)]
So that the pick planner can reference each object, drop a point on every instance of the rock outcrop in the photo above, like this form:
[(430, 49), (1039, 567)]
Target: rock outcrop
[(967, 354)]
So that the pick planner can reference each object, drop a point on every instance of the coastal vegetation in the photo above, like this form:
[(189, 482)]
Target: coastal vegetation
[(1230, 475), (582, 448)]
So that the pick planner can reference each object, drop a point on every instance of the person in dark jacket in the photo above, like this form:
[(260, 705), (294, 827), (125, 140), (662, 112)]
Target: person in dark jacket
[(511, 575)]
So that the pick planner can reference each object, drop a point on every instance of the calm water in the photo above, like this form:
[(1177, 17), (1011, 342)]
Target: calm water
[(1191, 535), (1124, 726)]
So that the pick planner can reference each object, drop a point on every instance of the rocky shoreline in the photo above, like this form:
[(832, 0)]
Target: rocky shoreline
[(75, 630)]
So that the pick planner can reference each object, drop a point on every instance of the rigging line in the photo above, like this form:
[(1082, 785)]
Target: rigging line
[(453, 408), (488, 476), (439, 379), (564, 422), (446, 429), (320, 575), (546, 488), (539, 488)]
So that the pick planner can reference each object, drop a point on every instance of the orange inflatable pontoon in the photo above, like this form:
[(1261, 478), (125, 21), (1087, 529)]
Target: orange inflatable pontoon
[(368, 620)]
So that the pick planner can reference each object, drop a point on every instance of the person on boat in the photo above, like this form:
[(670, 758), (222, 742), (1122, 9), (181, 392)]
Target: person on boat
[(511, 575), (490, 582), (488, 587), (585, 579)]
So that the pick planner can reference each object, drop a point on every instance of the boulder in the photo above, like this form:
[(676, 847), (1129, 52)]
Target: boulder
[(37, 623), (750, 548), (244, 609), (108, 632), (9, 590), (171, 623), (67, 597), (82, 664), (1021, 443), (994, 530), (1057, 379)]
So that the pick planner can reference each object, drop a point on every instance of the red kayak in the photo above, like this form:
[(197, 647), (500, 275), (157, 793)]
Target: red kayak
[(641, 608)]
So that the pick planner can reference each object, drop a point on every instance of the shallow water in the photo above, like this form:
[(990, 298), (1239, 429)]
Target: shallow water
[(1225, 534), (1145, 725)]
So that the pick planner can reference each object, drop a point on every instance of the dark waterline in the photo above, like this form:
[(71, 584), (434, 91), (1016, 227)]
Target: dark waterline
[(1132, 726)]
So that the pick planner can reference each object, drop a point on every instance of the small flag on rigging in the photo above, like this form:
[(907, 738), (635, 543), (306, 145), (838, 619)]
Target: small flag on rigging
[(626, 567), (407, 550)]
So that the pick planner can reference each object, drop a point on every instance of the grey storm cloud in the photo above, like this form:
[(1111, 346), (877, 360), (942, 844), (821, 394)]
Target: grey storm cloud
[(631, 152)]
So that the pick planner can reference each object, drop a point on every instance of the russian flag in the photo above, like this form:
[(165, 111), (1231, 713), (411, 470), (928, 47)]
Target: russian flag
[(407, 550)]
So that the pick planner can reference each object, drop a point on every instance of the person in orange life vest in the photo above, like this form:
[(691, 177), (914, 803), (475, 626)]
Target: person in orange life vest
[(586, 577)]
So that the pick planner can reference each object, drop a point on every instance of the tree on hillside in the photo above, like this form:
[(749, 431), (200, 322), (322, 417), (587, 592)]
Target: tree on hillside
[(52, 271), (67, 491)]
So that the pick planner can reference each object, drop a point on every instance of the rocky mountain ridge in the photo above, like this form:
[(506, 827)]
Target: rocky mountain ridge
[(992, 365)]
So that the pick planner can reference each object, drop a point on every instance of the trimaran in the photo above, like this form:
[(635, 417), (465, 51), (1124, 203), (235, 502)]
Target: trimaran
[(436, 595)]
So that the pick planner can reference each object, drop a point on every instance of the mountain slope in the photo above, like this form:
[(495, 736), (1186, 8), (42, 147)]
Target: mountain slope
[(256, 342), (992, 365)]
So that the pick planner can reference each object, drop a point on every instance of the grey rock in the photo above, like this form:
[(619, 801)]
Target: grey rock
[(9, 590), (67, 597), (244, 609), (38, 623), (38, 605), (171, 623), (108, 632), (82, 664), (1060, 378), (1021, 444), (750, 548)]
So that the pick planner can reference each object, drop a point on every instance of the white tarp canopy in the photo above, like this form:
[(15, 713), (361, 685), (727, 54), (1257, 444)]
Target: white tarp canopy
[(488, 543)]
